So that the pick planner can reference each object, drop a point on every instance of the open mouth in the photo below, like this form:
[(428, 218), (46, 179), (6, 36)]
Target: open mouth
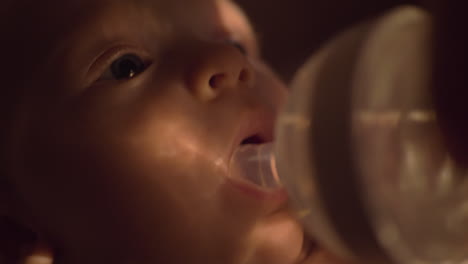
[(250, 161), (253, 162), (253, 140), (254, 156)]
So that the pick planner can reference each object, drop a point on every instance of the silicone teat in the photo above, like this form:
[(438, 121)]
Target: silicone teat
[(256, 163)]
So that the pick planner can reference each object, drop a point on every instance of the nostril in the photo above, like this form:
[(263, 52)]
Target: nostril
[(244, 75), (216, 80), (220, 80)]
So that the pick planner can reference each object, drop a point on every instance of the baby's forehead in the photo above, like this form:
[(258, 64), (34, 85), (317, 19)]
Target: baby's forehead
[(108, 16), (62, 15), (45, 22)]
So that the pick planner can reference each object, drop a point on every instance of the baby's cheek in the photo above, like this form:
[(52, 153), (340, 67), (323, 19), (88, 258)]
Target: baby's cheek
[(271, 87)]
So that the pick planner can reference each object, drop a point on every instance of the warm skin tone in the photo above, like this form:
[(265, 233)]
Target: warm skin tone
[(129, 165)]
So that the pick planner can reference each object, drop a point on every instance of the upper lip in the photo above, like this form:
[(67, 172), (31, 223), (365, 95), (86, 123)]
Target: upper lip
[(254, 128)]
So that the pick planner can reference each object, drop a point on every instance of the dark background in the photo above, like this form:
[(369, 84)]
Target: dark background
[(290, 30)]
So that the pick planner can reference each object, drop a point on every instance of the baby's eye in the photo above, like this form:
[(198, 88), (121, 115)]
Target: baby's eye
[(124, 67), (240, 46)]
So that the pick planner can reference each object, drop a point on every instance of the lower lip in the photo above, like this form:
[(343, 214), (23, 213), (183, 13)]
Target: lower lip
[(239, 178), (250, 189)]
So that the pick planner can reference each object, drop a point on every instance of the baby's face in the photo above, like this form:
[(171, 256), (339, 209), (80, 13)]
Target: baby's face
[(121, 148)]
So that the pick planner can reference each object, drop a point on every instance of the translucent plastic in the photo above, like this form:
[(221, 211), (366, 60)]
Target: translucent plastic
[(416, 197), (296, 160), (256, 163), (416, 194)]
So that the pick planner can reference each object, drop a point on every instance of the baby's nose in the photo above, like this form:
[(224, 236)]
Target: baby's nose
[(217, 68)]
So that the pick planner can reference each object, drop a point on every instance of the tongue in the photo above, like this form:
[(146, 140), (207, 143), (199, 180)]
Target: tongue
[(256, 163)]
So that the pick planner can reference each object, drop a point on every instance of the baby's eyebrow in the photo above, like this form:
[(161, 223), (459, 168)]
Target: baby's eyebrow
[(94, 33)]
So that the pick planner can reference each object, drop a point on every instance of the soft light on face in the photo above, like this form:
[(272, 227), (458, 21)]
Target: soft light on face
[(133, 168)]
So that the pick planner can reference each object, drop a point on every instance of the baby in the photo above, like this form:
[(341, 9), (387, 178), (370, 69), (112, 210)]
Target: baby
[(119, 119)]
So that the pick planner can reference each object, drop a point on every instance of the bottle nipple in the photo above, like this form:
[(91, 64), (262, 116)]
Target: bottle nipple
[(256, 163)]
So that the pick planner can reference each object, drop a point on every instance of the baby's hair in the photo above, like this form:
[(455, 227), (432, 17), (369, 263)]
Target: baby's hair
[(26, 42), (11, 71), (5, 26), (29, 31)]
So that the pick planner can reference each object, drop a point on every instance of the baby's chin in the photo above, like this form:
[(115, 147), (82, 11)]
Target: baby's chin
[(278, 239)]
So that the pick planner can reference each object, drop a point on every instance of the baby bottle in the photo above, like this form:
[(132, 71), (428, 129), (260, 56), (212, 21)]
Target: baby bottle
[(360, 151)]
